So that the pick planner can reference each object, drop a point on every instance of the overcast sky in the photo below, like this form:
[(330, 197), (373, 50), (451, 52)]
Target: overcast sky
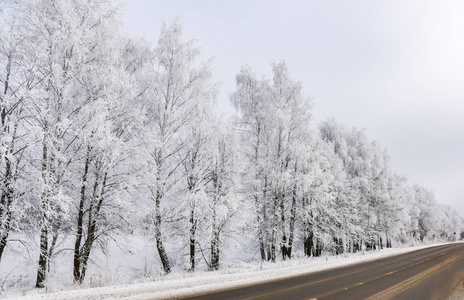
[(395, 68)]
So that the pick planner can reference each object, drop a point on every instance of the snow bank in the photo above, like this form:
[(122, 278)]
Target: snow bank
[(187, 284)]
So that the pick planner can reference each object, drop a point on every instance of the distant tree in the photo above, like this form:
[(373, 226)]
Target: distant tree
[(428, 218), (368, 173), (396, 218)]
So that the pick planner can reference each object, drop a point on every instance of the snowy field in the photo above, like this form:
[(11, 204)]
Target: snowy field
[(180, 284)]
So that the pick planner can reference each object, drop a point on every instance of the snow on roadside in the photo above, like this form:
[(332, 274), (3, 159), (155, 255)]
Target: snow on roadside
[(187, 284)]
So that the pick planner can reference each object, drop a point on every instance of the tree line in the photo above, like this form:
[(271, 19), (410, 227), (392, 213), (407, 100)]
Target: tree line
[(103, 134)]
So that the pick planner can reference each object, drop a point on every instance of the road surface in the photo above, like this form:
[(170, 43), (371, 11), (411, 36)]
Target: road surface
[(431, 273)]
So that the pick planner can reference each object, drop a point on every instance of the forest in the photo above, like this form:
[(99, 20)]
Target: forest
[(103, 135)]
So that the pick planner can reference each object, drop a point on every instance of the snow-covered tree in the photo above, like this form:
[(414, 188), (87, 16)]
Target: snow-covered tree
[(223, 198), (178, 87), (70, 47), (106, 167), (368, 173), (14, 136), (101, 134), (197, 147), (251, 101), (54, 59), (327, 207), (275, 119)]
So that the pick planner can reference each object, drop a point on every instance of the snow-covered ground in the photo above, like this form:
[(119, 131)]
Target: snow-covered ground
[(184, 283)]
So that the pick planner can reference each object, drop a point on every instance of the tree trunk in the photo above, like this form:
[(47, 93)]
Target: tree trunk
[(339, 248), (274, 227), (5, 225), (308, 234), (45, 198), (52, 248), (193, 228), (3, 240), (268, 246), (6, 201), (94, 212), (273, 244), (5, 215), (80, 221), (260, 230), (43, 258), (308, 240), (265, 222), (85, 252), (261, 221), (318, 249), (292, 222), (158, 196), (283, 245), (159, 243), (387, 238), (215, 249)]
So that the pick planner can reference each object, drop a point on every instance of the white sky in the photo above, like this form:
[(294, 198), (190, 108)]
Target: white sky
[(395, 67)]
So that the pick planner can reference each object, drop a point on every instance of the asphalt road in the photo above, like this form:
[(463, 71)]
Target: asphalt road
[(431, 273)]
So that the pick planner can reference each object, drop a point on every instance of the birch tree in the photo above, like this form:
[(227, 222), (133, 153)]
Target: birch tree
[(275, 119), (64, 39), (250, 100), (178, 86), (197, 146), (106, 166), (54, 62), (356, 153), (14, 137), (224, 200)]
